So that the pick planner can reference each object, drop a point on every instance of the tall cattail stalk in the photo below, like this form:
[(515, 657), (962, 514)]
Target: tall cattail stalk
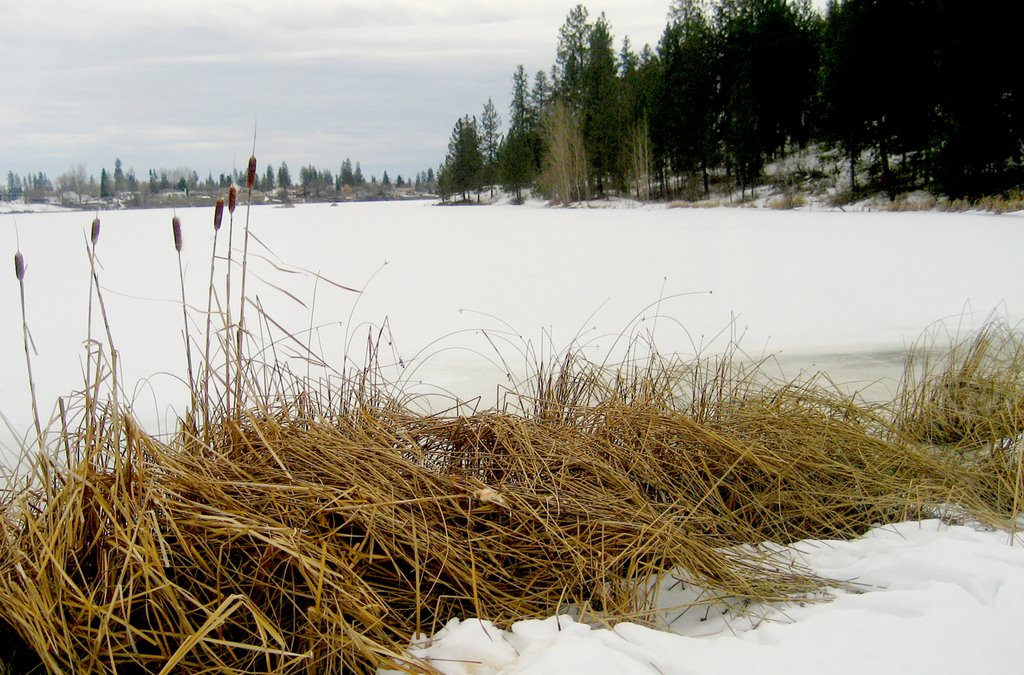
[(250, 182), (218, 218), (232, 203), (91, 401), (94, 237), (106, 326), (176, 231), (19, 271)]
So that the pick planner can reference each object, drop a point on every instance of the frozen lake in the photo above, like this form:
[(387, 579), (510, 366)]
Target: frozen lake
[(470, 293)]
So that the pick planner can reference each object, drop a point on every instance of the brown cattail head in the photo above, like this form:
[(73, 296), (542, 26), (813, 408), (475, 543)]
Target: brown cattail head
[(176, 226), (19, 266), (95, 231), (232, 198), (218, 213), (250, 175)]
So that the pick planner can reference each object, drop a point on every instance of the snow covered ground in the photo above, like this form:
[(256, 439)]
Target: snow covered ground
[(926, 598), (471, 298)]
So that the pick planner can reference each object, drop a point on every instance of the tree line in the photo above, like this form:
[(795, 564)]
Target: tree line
[(912, 93), (76, 185)]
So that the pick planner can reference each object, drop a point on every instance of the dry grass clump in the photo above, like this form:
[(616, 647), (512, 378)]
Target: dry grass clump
[(309, 539), (966, 403), (917, 201), (1000, 204), (787, 201), (699, 204), (971, 394)]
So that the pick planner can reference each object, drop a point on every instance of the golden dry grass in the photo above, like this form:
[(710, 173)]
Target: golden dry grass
[(306, 539)]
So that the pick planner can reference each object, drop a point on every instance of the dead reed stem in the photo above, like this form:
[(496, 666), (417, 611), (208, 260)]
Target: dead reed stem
[(192, 385), (250, 180), (218, 217), (232, 202), (19, 271)]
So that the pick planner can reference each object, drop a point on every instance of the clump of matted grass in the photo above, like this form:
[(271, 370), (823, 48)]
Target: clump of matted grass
[(316, 539), (294, 527), (965, 401)]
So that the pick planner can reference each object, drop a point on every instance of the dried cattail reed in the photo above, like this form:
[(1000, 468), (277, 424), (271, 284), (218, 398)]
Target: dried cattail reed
[(218, 218), (250, 174), (232, 203), (250, 181), (95, 234), (176, 228), (19, 271), (218, 214)]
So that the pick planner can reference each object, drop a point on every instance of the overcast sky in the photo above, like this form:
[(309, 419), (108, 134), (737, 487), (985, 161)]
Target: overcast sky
[(181, 82)]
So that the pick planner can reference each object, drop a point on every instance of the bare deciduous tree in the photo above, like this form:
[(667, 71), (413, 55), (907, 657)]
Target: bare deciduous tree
[(565, 170), (639, 160)]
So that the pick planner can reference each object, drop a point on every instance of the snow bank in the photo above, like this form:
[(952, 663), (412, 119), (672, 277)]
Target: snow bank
[(925, 598)]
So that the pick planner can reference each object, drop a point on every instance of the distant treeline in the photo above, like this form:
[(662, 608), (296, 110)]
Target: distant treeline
[(76, 187), (913, 93)]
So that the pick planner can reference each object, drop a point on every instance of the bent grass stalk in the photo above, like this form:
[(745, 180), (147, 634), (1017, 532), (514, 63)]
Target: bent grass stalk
[(232, 203), (218, 217), (19, 271), (176, 231), (91, 405), (94, 237), (250, 181)]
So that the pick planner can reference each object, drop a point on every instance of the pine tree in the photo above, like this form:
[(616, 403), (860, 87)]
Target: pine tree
[(571, 56), (465, 161), (683, 121), (105, 188), (346, 176), (490, 142), (284, 177), (119, 180), (601, 107)]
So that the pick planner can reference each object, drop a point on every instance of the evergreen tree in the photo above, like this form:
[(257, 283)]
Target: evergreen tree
[(516, 158), (683, 121), (490, 141), (106, 190), (571, 56), (519, 155), (768, 65), (540, 95), (979, 85), (346, 176), (357, 176), (601, 107), (119, 179), (268, 179), (284, 177), (14, 186), (464, 164)]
